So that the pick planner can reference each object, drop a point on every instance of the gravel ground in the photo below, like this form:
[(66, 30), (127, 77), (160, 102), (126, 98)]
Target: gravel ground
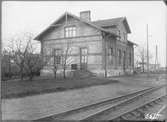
[(35, 107), (143, 80)]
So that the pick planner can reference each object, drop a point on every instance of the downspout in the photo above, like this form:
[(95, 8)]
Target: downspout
[(133, 58), (41, 52), (116, 54), (41, 48)]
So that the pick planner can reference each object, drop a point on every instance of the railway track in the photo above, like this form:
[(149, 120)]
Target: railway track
[(140, 113), (113, 109)]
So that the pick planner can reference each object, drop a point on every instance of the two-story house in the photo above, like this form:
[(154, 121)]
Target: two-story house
[(100, 47)]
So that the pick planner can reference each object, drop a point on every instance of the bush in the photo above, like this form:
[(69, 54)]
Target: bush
[(33, 65)]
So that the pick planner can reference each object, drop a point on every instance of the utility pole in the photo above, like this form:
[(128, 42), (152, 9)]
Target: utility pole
[(147, 53), (156, 58), (66, 17)]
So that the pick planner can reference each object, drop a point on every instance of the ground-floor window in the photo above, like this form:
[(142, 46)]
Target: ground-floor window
[(48, 59), (119, 56), (130, 58), (57, 54), (110, 56)]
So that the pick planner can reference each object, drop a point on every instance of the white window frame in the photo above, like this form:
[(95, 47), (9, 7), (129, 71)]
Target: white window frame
[(70, 31)]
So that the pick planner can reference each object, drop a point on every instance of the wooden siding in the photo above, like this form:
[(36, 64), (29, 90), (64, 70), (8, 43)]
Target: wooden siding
[(92, 39), (82, 29), (123, 31), (93, 44)]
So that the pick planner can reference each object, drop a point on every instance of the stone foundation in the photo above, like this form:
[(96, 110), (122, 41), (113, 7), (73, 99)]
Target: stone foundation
[(98, 72), (49, 72)]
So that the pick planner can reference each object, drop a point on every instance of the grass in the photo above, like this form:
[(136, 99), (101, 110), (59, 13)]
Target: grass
[(41, 85)]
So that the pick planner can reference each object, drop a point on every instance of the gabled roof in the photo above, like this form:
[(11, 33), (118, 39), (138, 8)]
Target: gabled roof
[(112, 22), (108, 22), (54, 24)]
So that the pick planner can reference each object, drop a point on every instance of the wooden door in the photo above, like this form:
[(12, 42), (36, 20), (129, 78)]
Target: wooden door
[(83, 58)]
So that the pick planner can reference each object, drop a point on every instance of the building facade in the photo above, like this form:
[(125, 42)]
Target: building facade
[(100, 47)]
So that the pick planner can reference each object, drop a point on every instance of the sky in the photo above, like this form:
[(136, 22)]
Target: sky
[(19, 17)]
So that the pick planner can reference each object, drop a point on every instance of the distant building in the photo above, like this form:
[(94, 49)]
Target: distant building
[(100, 47), (154, 67), (142, 67)]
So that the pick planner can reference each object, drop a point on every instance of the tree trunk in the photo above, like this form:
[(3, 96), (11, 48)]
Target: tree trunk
[(21, 73), (21, 69), (55, 72), (10, 73), (143, 67), (64, 71), (31, 77)]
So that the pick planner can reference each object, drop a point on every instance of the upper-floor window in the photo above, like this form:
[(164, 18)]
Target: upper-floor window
[(70, 31), (125, 36)]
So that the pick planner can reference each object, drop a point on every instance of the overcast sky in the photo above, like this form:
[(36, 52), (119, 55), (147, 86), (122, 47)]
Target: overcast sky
[(19, 17)]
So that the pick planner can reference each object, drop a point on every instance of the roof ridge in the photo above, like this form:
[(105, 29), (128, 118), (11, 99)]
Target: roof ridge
[(109, 19), (68, 13)]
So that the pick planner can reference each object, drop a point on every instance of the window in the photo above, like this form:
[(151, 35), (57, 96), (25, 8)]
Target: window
[(124, 58), (70, 31), (84, 53), (48, 51), (111, 50), (110, 55), (119, 34), (57, 56), (48, 56), (130, 58), (119, 56), (125, 36)]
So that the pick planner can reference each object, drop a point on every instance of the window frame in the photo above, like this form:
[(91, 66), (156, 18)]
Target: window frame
[(111, 55), (57, 56), (119, 56), (125, 36), (70, 31), (119, 33), (130, 59)]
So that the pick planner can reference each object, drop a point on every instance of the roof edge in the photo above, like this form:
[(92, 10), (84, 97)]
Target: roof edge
[(67, 13)]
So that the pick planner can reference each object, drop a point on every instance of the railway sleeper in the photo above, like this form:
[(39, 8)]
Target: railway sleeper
[(140, 110), (156, 102), (152, 103), (128, 115)]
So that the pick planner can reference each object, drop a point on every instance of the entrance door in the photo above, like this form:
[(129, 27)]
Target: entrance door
[(83, 58)]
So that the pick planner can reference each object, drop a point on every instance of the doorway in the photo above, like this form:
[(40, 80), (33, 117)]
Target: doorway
[(83, 58)]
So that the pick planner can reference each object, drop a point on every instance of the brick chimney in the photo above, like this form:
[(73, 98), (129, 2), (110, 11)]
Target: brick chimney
[(85, 15)]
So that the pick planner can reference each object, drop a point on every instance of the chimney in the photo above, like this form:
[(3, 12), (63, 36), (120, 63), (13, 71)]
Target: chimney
[(85, 15)]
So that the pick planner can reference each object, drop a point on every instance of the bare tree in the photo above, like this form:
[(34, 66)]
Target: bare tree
[(33, 61), (33, 64), (6, 64), (24, 55), (20, 51), (66, 53), (55, 67)]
